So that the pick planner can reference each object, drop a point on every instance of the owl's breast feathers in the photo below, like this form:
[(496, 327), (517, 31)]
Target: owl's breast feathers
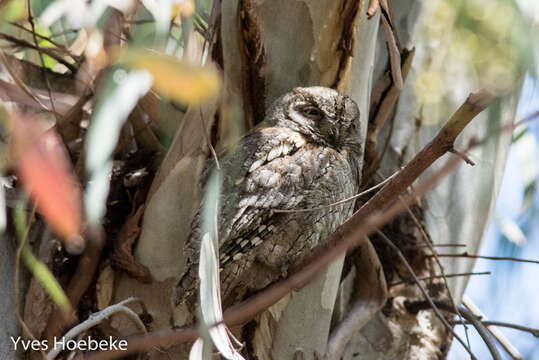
[(270, 168), (276, 168)]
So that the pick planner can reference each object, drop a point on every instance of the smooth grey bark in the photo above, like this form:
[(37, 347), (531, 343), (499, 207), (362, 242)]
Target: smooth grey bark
[(300, 41)]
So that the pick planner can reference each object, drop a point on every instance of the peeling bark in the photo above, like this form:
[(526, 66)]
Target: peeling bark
[(253, 60)]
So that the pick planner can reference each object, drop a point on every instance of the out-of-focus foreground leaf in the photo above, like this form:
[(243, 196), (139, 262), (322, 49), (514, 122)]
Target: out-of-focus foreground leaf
[(164, 11), (81, 13), (117, 99), (37, 268), (527, 152), (11, 10), (208, 271), (47, 175), (176, 79), (510, 230)]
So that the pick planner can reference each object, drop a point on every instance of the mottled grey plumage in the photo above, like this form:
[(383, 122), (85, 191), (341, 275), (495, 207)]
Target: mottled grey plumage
[(304, 155)]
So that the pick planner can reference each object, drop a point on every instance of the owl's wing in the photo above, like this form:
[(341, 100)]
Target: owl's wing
[(264, 173)]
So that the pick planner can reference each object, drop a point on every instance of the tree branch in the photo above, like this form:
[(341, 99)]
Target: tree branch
[(499, 258), (376, 212)]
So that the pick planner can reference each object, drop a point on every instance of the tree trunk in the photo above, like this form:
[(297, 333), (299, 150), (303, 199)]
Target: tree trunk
[(266, 48)]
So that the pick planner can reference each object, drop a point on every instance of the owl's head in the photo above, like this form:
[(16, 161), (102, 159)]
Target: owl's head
[(320, 113)]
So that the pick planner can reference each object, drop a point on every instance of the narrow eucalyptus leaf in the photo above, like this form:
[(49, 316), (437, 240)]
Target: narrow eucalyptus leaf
[(121, 93)]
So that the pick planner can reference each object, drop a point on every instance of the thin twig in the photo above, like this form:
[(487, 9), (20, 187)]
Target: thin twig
[(384, 98), (448, 245), (443, 276), (497, 333), (209, 34), (58, 45), (379, 210), (42, 60), (425, 294), (19, 82), (394, 52), (96, 319), (48, 51), (534, 332), (463, 156), (369, 190), (498, 258)]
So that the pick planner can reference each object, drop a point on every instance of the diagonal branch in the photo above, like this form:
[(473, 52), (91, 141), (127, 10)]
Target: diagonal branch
[(376, 212), (49, 51)]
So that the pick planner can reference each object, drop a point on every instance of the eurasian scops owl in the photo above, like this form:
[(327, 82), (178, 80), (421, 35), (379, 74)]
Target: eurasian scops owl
[(304, 155)]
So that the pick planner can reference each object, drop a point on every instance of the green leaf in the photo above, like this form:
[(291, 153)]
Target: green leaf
[(117, 99), (37, 268), (13, 10)]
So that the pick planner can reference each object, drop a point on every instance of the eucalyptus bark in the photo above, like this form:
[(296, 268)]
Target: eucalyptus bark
[(265, 48)]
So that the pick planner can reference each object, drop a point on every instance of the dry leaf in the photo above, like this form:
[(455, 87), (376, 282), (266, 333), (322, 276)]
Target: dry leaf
[(47, 175), (105, 287), (178, 80)]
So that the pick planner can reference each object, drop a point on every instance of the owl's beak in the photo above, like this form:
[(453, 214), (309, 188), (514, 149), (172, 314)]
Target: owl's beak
[(335, 136)]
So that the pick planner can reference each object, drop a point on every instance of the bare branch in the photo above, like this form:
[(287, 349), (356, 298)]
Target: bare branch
[(49, 51), (534, 332), (497, 258), (463, 156), (41, 59), (368, 191), (444, 276), (349, 235), (498, 335), (96, 319), (19, 82)]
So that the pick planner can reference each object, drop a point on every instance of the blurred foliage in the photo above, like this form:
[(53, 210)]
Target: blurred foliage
[(46, 173), (527, 151), (11, 11), (110, 62), (37, 268), (179, 81), (471, 44), (117, 98)]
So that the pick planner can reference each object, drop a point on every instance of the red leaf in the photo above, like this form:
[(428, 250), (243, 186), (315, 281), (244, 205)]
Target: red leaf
[(46, 173)]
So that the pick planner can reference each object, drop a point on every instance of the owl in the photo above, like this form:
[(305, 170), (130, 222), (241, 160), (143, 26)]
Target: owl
[(278, 184)]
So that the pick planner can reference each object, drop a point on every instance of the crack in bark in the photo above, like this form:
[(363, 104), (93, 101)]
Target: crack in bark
[(350, 11), (253, 58)]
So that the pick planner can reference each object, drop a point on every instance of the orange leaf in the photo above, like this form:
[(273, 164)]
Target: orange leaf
[(183, 8), (178, 80), (45, 170)]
